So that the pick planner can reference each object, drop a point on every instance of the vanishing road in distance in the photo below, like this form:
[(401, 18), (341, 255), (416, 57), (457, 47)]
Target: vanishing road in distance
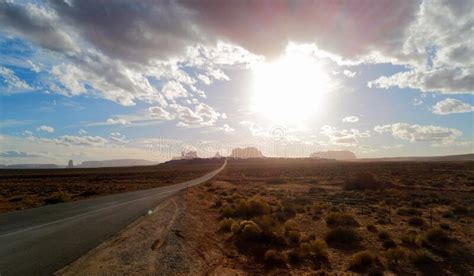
[(42, 240)]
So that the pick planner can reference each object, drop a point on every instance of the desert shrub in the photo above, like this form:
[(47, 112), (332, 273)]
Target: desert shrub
[(319, 248), (58, 197), (294, 236), (362, 261), (395, 255), (388, 243), (342, 236), (290, 225), (341, 219), (246, 208), (416, 221), (445, 226), (436, 235), (460, 210), (408, 212), (226, 224), (257, 206), (384, 235), (421, 257), (304, 250), (372, 228), (448, 214), (363, 181), (250, 231), (274, 258)]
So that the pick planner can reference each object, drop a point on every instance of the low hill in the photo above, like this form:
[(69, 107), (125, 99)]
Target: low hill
[(460, 157)]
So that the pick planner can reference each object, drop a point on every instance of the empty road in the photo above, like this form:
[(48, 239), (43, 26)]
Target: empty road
[(42, 240)]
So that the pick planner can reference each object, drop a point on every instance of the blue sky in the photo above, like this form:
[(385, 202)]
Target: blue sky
[(173, 76)]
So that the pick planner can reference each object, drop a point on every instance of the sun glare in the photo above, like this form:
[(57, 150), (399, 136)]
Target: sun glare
[(290, 90)]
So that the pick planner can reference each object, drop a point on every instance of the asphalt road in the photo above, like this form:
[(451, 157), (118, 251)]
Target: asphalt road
[(42, 240)]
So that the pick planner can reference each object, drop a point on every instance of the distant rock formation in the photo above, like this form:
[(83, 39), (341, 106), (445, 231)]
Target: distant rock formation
[(70, 164), (218, 155), (116, 163), (334, 154), (249, 152), (187, 155), (33, 166)]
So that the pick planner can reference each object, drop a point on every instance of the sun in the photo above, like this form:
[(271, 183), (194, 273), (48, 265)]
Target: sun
[(289, 90)]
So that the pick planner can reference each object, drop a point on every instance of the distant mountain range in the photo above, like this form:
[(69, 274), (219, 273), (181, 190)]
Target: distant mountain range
[(334, 154), (249, 153), (85, 164), (116, 163), (459, 157)]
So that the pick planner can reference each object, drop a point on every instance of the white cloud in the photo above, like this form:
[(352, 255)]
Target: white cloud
[(350, 119), (12, 82), (345, 137), (420, 133), (117, 121), (160, 113), (227, 128), (45, 129), (93, 141), (82, 131), (450, 106), (173, 90), (349, 73)]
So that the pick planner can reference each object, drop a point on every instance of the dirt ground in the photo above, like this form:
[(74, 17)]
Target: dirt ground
[(30, 188), (277, 217)]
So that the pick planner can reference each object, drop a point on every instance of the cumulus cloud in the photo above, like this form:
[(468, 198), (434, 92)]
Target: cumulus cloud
[(345, 137), (420, 133), (17, 154), (450, 106), (226, 128), (349, 73), (350, 119), (93, 141), (160, 113), (12, 83), (117, 121), (45, 129)]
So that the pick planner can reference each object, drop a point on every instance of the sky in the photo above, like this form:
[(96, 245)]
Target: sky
[(96, 80)]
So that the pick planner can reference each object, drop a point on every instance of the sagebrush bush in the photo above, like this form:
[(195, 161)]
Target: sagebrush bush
[(372, 228), (226, 224), (436, 235), (416, 221), (294, 236), (249, 230), (362, 261), (363, 181), (274, 258), (421, 257), (384, 235), (388, 243), (395, 255), (304, 250), (319, 248), (342, 236), (341, 220)]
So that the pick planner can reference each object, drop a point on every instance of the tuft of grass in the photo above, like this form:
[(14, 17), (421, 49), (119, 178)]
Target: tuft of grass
[(363, 181), (395, 255), (319, 248), (416, 221), (342, 236), (341, 220), (274, 258), (436, 235), (362, 261), (372, 228), (226, 224)]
